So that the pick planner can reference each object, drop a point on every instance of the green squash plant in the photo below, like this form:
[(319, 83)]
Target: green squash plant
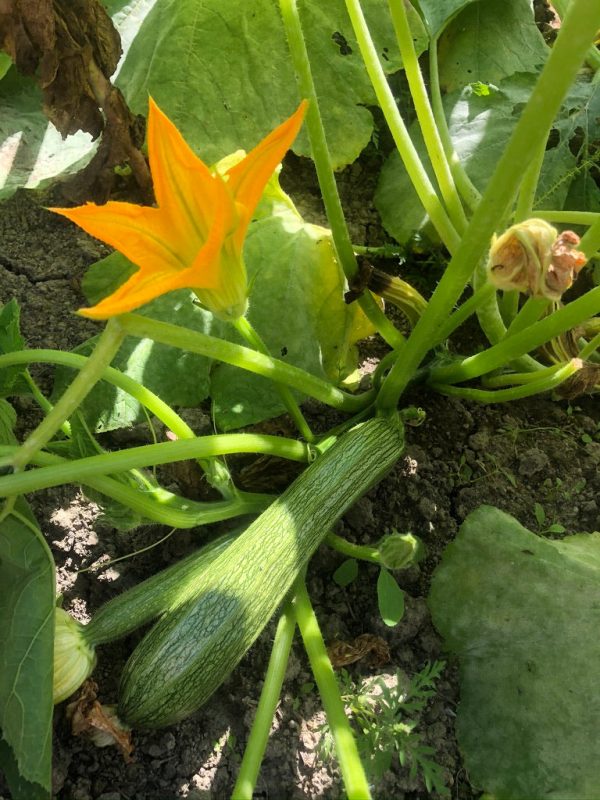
[(200, 281)]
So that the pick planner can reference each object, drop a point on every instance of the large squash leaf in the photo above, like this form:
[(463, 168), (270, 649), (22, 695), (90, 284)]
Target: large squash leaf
[(522, 614), (489, 41), (480, 121), (26, 655)]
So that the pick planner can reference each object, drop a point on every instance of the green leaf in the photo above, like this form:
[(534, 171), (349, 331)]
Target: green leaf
[(346, 572), (556, 528), (489, 41), (297, 306), (438, 13), (26, 655), (522, 614), (11, 378), (480, 126), (540, 514), (5, 64), (390, 598), (572, 153), (236, 60)]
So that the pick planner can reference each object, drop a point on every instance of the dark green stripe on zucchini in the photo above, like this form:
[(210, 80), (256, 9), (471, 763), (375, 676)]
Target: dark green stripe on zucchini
[(192, 649)]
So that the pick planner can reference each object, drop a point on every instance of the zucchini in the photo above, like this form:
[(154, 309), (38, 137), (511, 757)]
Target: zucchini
[(75, 644), (190, 651), (147, 600)]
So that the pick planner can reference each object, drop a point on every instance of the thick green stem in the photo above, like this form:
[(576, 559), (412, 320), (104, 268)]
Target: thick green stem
[(544, 384), (532, 310), (590, 241), (159, 505), (592, 57), (267, 705), (244, 358), (325, 175), (138, 391), (150, 455), (353, 774), (106, 348), (248, 332), (515, 378), (590, 348), (490, 319), (431, 136), (216, 472), (512, 347), (508, 306), (524, 209), (410, 157), (531, 130), (567, 217), (481, 296), (464, 184)]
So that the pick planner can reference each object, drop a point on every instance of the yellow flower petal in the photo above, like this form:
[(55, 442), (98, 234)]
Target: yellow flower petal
[(140, 289), (247, 180), (194, 238), (184, 186)]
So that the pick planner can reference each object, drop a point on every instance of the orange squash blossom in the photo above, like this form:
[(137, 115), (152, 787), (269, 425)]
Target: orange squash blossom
[(194, 237)]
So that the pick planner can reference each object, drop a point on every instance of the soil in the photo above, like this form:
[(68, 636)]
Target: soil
[(463, 455)]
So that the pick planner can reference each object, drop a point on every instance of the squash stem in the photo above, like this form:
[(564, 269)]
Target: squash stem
[(512, 347), (106, 348), (267, 705), (353, 774), (325, 175), (532, 128), (479, 297), (549, 381), (215, 470), (431, 135), (149, 455), (160, 505), (408, 153), (249, 333), (360, 551), (561, 217), (245, 358), (467, 190)]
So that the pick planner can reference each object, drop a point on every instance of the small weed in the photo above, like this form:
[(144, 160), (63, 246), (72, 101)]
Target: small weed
[(385, 719), (541, 519)]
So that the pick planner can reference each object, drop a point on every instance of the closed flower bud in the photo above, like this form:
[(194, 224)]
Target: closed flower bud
[(400, 550), (74, 659)]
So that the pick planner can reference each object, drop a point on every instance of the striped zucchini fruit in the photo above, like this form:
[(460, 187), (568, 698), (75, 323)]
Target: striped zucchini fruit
[(192, 649)]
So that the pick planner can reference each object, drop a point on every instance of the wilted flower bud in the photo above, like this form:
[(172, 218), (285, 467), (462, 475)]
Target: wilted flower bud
[(531, 257), (400, 550), (565, 265)]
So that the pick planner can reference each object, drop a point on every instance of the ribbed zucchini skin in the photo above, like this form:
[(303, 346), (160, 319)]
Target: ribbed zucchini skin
[(191, 650), (137, 606)]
